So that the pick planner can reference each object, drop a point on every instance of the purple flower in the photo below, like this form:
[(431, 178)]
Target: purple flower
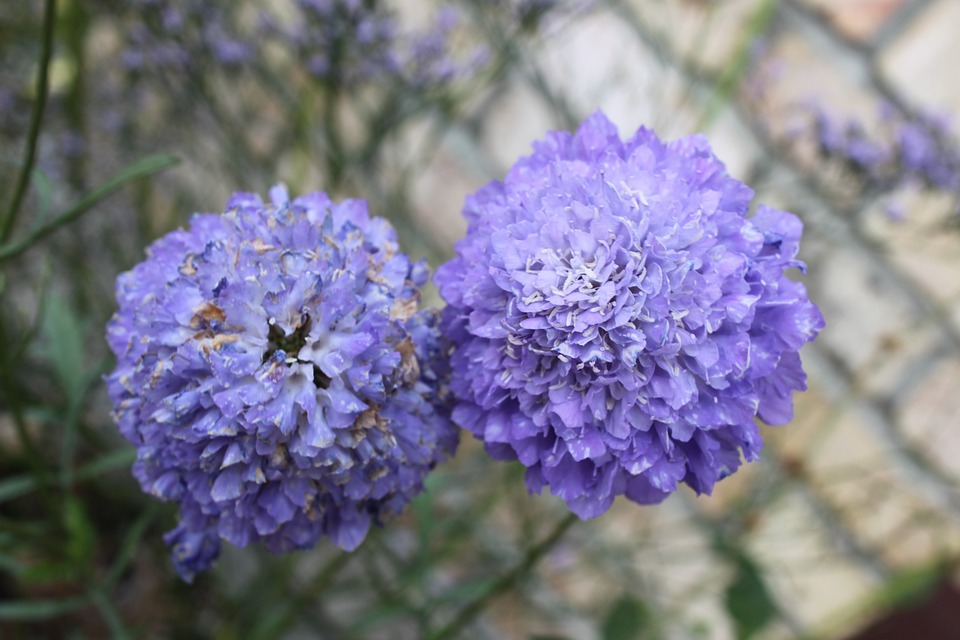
[(276, 376), (341, 41), (617, 320), (226, 50), (163, 38), (927, 154), (906, 150), (353, 43)]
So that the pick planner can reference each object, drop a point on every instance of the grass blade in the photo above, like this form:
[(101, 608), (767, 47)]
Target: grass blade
[(142, 169), (32, 610)]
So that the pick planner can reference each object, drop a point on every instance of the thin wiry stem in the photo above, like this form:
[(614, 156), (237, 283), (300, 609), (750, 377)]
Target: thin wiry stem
[(142, 169), (36, 119), (505, 582)]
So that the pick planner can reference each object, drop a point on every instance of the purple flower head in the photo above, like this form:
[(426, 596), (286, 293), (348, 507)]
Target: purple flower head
[(276, 376), (617, 320)]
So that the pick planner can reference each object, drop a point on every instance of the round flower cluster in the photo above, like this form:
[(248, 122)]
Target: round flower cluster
[(277, 377), (618, 322)]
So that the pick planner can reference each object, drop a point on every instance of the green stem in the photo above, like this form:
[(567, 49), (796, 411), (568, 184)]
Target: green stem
[(36, 119), (332, 132), (275, 627), (74, 36), (109, 613), (739, 66), (10, 386), (142, 169), (32, 534), (506, 581)]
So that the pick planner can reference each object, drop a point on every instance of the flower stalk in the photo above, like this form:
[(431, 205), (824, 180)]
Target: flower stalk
[(507, 581), (36, 119)]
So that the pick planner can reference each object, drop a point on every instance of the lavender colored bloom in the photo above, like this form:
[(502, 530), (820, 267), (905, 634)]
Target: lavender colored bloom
[(617, 320), (429, 60), (341, 41), (164, 38), (906, 150), (925, 152), (350, 43), (226, 50), (276, 376)]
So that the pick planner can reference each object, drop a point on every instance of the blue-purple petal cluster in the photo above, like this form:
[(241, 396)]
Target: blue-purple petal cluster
[(277, 377), (617, 320)]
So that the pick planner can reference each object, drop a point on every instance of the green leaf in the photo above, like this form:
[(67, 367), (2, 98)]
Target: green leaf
[(109, 614), (29, 610), (17, 486), (138, 170), (64, 345), (44, 190), (698, 629), (910, 586), (466, 592), (11, 565), (737, 68), (378, 616), (628, 619), (130, 544), (22, 485), (51, 570), (81, 535), (30, 530), (425, 518), (119, 459), (749, 603)]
